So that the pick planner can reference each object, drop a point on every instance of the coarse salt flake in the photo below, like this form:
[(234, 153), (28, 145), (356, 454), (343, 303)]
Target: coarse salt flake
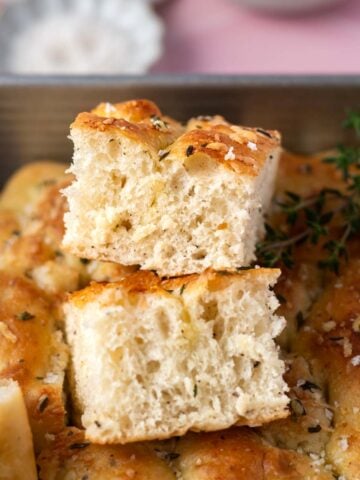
[(355, 360), (329, 414), (252, 146), (327, 326), (109, 108), (230, 154), (343, 443)]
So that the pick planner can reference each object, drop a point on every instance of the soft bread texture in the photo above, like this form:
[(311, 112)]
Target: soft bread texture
[(146, 193), (17, 459), (33, 353), (194, 353), (69, 455)]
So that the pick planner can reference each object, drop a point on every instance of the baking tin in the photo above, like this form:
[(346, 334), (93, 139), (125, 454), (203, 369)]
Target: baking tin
[(35, 112)]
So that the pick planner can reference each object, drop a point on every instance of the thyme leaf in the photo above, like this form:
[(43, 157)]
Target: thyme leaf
[(308, 219)]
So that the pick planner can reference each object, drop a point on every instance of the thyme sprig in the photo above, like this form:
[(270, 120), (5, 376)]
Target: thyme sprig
[(309, 219)]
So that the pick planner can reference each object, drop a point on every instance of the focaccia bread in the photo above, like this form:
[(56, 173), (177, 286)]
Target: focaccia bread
[(233, 454), (17, 459), (32, 228), (33, 353), (240, 454), (69, 455), (194, 353), (147, 194)]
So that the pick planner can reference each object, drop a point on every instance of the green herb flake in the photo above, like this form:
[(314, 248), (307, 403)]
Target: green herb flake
[(314, 429), (25, 316), (300, 320), (78, 446), (190, 150), (43, 403), (169, 456), (310, 218)]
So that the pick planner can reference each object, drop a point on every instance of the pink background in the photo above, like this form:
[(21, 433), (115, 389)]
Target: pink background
[(220, 36)]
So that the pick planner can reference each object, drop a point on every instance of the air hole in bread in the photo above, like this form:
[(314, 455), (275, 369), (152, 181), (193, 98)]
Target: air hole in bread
[(199, 255), (153, 366), (118, 180), (164, 326), (210, 310), (126, 224)]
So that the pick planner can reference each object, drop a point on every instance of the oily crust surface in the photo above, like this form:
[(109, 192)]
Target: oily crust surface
[(322, 372), (213, 136)]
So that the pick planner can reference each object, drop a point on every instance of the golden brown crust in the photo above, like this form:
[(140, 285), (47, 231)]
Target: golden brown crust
[(239, 453), (140, 120), (143, 281), (70, 454), (135, 111), (243, 150), (27, 185), (322, 311), (32, 353)]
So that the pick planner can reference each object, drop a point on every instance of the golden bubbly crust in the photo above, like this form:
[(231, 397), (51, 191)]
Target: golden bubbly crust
[(243, 150), (71, 452), (322, 311), (140, 120), (143, 281), (17, 459), (239, 453), (32, 352), (27, 185)]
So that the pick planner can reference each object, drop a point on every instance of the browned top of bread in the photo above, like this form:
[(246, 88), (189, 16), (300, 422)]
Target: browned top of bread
[(241, 149), (27, 185), (144, 281), (322, 310), (32, 353), (239, 453), (70, 453)]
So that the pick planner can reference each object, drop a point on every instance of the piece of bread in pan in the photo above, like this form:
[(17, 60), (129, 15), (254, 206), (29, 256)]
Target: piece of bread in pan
[(237, 454), (17, 459), (146, 194), (32, 228), (154, 359), (69, 455), (331, 341), (33, 352), (27, 184)]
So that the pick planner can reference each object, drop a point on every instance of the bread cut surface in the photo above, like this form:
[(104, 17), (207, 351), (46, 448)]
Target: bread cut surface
[(17, 459), (149, 193), (154, 359)]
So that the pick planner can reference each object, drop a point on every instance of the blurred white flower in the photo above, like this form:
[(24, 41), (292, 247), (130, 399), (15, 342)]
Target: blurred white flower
[(80, 36)]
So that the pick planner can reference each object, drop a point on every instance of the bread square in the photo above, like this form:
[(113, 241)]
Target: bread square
[(178, 201), (153, 359), (17, 458)]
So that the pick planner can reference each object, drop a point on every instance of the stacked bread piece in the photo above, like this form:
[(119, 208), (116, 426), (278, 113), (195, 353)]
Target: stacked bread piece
[(154, 357)]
